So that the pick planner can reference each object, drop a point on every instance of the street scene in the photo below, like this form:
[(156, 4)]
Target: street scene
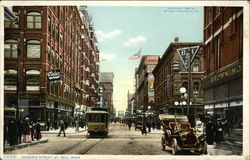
[(120, 141), (122, 80)]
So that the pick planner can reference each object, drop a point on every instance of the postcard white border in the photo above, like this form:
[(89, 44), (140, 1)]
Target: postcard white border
[(246, 71)]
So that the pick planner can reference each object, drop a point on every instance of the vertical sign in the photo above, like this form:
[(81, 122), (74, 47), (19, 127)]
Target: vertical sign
[(187, 55)]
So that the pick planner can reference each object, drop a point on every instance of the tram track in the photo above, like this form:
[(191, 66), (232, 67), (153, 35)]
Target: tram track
[(72, 147)]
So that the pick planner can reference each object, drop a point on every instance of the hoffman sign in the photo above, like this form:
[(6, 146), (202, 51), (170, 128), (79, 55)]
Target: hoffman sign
[(54, 75), (187, 55)]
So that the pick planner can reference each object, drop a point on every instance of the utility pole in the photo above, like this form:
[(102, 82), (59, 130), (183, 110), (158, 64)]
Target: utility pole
[(17, 84)]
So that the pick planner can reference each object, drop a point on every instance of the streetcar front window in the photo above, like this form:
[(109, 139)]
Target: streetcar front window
[(97, 118)]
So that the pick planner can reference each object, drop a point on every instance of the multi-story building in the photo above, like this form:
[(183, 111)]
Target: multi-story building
[(106, 80), (130, 102), (171, 75), (45, 42), (223, 53), (144, 82)]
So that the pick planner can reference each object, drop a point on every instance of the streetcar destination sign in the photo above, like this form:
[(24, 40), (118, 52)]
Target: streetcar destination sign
[(187, 55), (54, 75)]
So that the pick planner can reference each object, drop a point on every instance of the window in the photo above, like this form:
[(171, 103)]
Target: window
[(33, 80), (196, 89), (49, 25), (34, 20), (12, 23), (209, 15), (10, 48), (10, 79), (48, 47), (196, 65), (217, 11), (33, 49), (53, 56)]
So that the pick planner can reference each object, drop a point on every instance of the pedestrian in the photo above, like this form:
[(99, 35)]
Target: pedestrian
[(37, 128), (218, 131), (62, 128), (20, 131), (32, 130), (5, 132), (48, 125), (149, 126), (210, 133), (26, 131), (129, 124), (77, 125), (12, 132), (144, 129)]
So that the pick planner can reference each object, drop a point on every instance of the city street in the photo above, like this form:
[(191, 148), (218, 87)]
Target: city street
[(120, 141)]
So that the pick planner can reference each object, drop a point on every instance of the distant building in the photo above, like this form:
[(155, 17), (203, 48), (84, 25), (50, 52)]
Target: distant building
[(223, 81), (144, 82), (106, 90), (131, 106), (120, 114)]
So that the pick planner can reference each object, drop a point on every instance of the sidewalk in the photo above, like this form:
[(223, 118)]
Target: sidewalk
[(69, 130), (7, 147)]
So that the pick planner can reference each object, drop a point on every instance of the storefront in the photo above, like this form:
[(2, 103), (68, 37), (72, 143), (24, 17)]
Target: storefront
[(223, 99)]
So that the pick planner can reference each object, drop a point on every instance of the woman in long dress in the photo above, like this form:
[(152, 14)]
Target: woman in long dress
[(26, 131)]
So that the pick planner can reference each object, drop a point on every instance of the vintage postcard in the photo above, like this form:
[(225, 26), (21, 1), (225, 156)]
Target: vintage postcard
[(124, 80)]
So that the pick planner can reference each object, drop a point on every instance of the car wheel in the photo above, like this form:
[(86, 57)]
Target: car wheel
[(174, 146)]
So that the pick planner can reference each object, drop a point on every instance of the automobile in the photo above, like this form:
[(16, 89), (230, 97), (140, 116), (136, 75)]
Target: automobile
[(179, 136), (138, 125)]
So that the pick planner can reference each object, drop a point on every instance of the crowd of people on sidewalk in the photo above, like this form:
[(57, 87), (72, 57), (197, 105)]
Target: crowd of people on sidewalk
[(18, 131)]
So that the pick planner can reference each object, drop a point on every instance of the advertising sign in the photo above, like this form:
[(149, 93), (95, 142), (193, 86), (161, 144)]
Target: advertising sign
[(54, 75), (187, 55)]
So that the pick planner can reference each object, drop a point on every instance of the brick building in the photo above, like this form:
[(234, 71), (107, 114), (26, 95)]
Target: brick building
[(171, 75), (45, 39), (144, 91), (106, 81), (223, 53)]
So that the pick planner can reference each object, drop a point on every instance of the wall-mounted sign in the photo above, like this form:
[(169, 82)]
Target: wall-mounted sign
[(175, 65), (54, 75)]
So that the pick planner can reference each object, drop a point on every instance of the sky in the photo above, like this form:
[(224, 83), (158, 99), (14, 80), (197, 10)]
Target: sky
[(121, 32)]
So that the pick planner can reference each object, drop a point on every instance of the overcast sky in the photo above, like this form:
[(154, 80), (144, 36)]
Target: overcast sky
[(122, 31)]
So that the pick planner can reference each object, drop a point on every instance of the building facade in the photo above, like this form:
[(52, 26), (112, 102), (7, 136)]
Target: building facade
[(223, 53), (44, 43), (171, 75), (144, 91), (106, 82)]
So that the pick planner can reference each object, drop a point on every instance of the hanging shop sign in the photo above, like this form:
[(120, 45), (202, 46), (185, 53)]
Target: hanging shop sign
[(54, 75), (175, 66)]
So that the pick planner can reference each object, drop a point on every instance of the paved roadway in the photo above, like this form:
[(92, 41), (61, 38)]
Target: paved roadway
[(120, 141)]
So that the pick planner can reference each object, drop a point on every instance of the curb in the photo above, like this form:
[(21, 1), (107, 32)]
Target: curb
[(11, 148)]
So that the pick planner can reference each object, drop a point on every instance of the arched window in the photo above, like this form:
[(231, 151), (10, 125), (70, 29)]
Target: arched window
[(33, 80), (10, 79), (34, 20), (196, 89), (196, 65), (10, 48), (33, 49)]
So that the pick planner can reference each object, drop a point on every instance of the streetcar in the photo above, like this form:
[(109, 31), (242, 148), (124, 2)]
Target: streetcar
[(98, 122)]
